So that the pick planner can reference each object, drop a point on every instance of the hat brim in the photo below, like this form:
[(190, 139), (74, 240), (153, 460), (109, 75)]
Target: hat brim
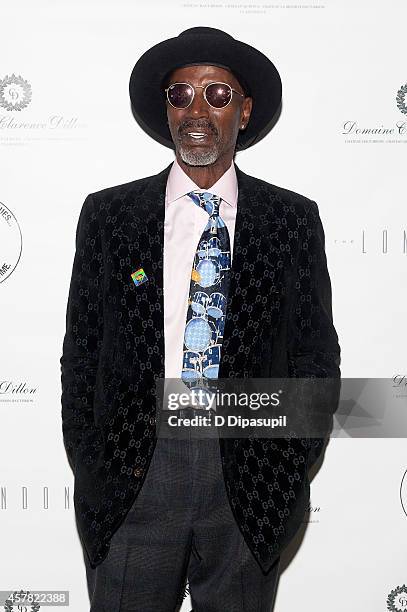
[(250, 66)]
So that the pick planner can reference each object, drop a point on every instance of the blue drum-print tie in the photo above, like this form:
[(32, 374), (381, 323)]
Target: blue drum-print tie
[(208, 293)]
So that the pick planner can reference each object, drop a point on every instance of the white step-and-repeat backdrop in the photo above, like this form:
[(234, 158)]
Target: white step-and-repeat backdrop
[(66, 129)]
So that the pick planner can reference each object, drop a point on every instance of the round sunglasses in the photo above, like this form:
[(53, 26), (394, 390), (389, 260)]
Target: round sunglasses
[(217, 95)]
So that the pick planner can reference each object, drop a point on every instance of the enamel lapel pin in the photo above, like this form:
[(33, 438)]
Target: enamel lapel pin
[(139, 277)]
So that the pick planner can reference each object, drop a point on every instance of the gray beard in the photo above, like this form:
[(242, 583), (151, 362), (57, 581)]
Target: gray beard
[(196, 158)]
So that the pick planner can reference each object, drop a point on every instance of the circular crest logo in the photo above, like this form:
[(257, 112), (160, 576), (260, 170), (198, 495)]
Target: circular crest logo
[(10, 242), (401, 99), (397, 600), (15, 93)]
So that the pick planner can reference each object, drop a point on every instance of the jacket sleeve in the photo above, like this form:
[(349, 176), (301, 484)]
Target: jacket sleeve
[(313, 348), (83, 336)]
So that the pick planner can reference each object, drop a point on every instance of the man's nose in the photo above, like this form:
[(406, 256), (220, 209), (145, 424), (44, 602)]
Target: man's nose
[(199, 106)]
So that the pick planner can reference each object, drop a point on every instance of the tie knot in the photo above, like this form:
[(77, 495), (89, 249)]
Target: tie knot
[(206, 200)]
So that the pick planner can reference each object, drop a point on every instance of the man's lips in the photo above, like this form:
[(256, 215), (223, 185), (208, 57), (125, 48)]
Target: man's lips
[(196, 135)]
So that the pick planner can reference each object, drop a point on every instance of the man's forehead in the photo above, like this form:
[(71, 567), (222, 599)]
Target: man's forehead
[(203, 65)]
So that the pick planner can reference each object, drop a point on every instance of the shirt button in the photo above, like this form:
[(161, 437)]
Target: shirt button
[(152, 420), (138, 472)]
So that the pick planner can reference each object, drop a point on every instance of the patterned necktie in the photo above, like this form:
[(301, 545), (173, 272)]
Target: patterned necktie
[(208, 293)]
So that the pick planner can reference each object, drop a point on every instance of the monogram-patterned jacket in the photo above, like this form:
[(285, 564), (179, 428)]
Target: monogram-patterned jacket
[(278, 324)]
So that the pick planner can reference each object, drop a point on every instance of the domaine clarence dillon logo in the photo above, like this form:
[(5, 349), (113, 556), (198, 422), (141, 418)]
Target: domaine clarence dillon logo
[(392, 132), (397, 599), (16, 95)]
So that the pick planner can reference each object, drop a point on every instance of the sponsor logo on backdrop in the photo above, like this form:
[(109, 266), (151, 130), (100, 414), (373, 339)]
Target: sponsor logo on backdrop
[(28, 498), (403, 492), (11, 242), (246, 8), (379, 241), (15, 93), (15, 98), (11, 391), (397, 599), (401, 99), (390, 131)]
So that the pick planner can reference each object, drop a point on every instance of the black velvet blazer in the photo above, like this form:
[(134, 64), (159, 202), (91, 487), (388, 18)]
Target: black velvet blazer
[(278, 324)]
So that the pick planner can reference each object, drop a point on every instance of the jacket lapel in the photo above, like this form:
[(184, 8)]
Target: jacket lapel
[(254, 240), (254, 276)]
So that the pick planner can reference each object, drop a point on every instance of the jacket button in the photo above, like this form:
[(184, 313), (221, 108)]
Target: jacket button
[(152, 420), (138, 471)]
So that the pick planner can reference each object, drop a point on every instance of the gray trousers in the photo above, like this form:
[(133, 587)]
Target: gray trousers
[(181, 527)]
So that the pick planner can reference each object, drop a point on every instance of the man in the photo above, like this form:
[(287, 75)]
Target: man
[(198, 272)]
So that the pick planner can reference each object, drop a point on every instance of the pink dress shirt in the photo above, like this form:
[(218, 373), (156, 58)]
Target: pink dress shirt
[(183, 226)]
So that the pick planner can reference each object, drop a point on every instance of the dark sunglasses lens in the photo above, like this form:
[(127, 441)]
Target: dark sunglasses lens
[(218, 94), (180, 95)]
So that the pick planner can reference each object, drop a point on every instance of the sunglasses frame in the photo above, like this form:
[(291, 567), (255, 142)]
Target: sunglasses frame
[(204, 87)]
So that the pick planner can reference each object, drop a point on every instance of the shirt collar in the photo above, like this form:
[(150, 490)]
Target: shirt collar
[(179, 184)]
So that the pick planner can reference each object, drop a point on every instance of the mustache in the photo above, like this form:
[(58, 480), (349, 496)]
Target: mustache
[(190, 126)]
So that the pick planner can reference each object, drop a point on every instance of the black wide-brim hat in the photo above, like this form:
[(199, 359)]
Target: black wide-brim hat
[(257, 75)]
